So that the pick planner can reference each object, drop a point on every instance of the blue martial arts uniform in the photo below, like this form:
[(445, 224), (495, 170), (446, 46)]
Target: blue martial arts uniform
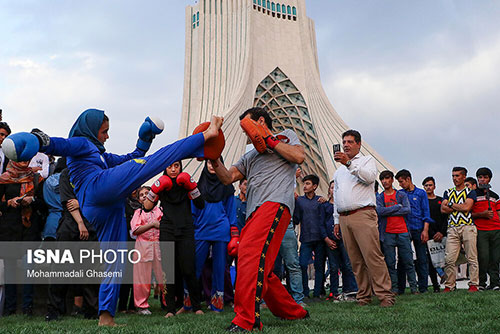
[(212, 228), (103, 181)]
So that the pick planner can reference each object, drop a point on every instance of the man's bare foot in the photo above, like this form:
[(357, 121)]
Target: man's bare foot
[(199, 312), (182, 310), (169, 315), (105, 319), (213, 128)]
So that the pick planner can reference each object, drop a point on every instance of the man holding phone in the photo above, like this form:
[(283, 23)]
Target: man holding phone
[(355, 214)]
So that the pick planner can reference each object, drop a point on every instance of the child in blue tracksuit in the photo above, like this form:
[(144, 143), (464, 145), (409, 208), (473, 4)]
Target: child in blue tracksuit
[(103, 180), (212, 230)]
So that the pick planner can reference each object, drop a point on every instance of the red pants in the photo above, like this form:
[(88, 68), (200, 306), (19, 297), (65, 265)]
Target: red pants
[(260, 243)]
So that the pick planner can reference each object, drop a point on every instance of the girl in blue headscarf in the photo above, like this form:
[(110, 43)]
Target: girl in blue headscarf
[(212, 225)]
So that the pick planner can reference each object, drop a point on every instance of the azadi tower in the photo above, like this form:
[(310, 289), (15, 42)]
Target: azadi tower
[(245, 53)]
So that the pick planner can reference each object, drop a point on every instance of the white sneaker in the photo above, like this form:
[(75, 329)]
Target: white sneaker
[(144, 311), (349, 297)]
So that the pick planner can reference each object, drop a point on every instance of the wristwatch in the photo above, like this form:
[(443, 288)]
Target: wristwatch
[(348, 163), (450, 205)]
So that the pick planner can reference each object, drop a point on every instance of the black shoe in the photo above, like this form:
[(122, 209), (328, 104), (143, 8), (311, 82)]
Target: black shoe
[(90, 316), (236, 329), (28, 312), (491, 287), (51, 317), (76, 311), (6, 313)]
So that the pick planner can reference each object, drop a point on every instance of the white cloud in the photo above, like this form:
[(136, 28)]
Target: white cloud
[(40, 94), (430, 117), (436, 88)]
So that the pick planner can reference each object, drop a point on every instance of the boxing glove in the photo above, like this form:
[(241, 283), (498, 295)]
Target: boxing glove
[(214, 146), (232, 246), (259, 134), (21, 146), (151, 127), (185, 181), (164, 183)]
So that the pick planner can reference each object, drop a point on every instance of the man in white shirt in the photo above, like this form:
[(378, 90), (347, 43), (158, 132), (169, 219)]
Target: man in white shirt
[(355, 215)]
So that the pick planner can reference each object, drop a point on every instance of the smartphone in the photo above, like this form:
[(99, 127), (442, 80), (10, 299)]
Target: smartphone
[(336, 148), (20, 199)]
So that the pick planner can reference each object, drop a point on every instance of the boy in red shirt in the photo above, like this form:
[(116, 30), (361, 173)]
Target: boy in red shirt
[(392, 208), (485, 215)]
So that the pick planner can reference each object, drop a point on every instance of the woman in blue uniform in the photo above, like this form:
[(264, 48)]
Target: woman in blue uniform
[(103, 180), (213, 226)]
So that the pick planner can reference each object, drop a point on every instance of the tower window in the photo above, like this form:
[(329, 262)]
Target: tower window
[(273, 6), (278, 7), (196, 20), (294, 11), (268, 4), (259, 2), (283, 9), (289, 10)]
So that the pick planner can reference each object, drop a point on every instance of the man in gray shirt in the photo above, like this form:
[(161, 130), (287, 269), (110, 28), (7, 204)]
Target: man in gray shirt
[(270, 195)]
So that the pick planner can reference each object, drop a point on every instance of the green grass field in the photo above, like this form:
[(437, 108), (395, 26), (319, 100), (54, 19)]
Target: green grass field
[(457, 312)]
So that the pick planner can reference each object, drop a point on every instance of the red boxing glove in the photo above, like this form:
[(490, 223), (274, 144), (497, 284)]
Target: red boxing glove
[(213, 147), (272, 141), (164, 183), (232, 246), (259, 134), (185, 181)]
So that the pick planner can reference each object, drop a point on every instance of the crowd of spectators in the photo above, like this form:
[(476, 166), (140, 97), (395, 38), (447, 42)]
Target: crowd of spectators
[(37, 203)]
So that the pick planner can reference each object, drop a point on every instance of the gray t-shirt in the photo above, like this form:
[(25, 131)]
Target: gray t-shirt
[(271, 178)]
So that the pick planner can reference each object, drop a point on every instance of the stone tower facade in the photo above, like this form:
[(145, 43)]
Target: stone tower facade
[(245, 53)]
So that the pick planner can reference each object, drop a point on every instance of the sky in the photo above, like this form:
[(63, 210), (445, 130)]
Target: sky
[(419, 79)]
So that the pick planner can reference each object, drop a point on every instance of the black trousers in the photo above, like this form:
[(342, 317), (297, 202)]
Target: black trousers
[(56, 303), (185, 272), (126, 298), (57, 298)]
